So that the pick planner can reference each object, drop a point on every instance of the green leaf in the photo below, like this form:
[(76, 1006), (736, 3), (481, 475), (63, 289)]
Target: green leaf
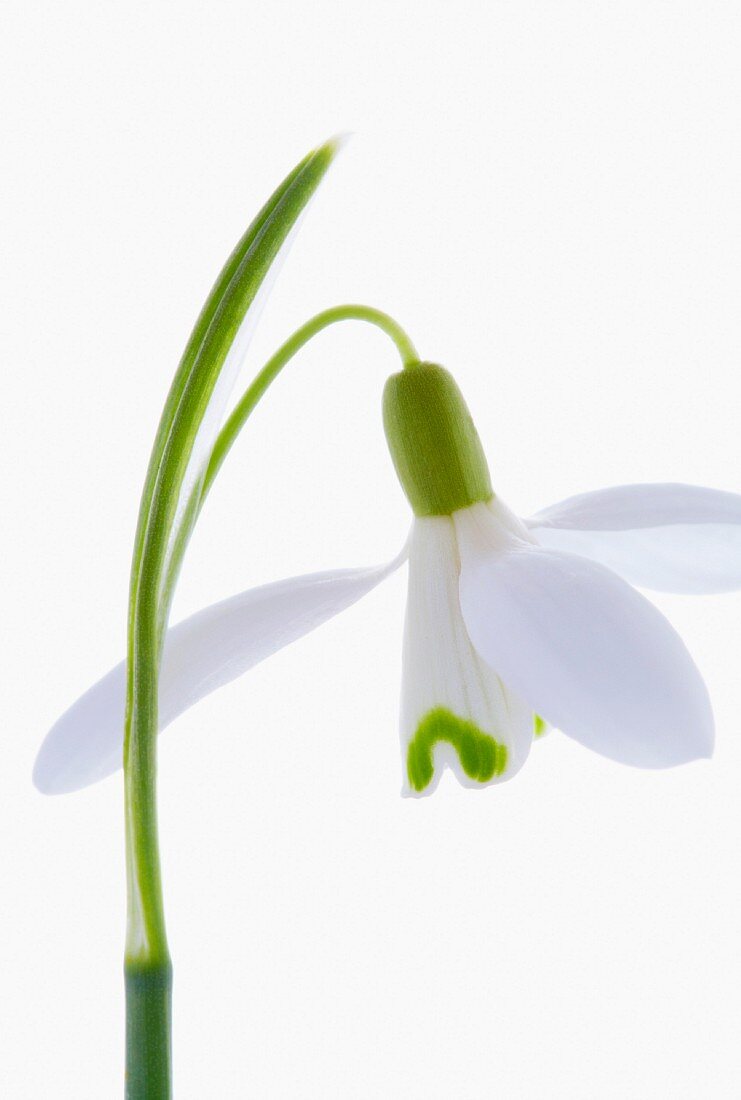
[(181, 447), (169, 507)]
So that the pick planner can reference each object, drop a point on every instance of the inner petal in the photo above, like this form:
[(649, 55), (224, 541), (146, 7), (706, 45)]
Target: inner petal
[(456, 712), (481, 757)]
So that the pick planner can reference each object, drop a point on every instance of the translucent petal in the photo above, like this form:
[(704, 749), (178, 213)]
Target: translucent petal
[(201, 654), (672, 538), (585, 651), (455, 711)]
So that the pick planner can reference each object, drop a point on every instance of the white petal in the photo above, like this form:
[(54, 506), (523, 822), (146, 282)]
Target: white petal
[(672, 538), (201, 653), (585, 651), (451, 701)]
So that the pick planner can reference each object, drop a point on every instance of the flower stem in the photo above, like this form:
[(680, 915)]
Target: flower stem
[(253, 394), (148, 1031), (162, 532), (147, 966), (283, 355)]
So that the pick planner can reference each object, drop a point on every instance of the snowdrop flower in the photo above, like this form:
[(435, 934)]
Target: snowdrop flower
[(510, 624)]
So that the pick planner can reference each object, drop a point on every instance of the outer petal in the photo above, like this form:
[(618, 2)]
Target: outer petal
[(673, 538), (585, 650), (201, 653), (456, 712)]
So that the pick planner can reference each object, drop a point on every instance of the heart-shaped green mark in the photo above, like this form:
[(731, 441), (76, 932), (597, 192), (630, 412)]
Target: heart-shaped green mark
[(480, 755)]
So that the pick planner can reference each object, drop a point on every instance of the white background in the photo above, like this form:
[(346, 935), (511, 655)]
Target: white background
[(547, 196)]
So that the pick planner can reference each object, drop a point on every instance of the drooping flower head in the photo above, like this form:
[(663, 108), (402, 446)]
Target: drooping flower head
[(511, 625), (502, 633)]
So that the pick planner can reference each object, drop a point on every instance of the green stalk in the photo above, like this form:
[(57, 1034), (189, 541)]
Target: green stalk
[(256, 391), (149, 1030), (149, 985), (161, 528), (148, 969), (284, 354)]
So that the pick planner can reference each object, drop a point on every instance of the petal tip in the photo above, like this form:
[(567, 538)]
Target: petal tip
[(42, 779), (410, 793)]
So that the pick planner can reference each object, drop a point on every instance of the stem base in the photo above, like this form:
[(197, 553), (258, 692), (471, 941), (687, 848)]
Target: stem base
[(148, 1031)]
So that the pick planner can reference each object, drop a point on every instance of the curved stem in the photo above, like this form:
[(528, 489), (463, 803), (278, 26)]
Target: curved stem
[(160, 528), (283, 355), (148, 970), (253, 394)]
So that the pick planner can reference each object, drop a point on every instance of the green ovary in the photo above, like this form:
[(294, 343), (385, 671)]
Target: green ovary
[(480, 755)]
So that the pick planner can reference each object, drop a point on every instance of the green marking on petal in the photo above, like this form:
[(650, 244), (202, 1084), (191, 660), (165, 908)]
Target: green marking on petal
[(540, 726), (480, 755)]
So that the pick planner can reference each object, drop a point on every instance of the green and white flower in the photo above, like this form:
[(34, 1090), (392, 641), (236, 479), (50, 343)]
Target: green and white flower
[(510, 624), (506, 619)]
